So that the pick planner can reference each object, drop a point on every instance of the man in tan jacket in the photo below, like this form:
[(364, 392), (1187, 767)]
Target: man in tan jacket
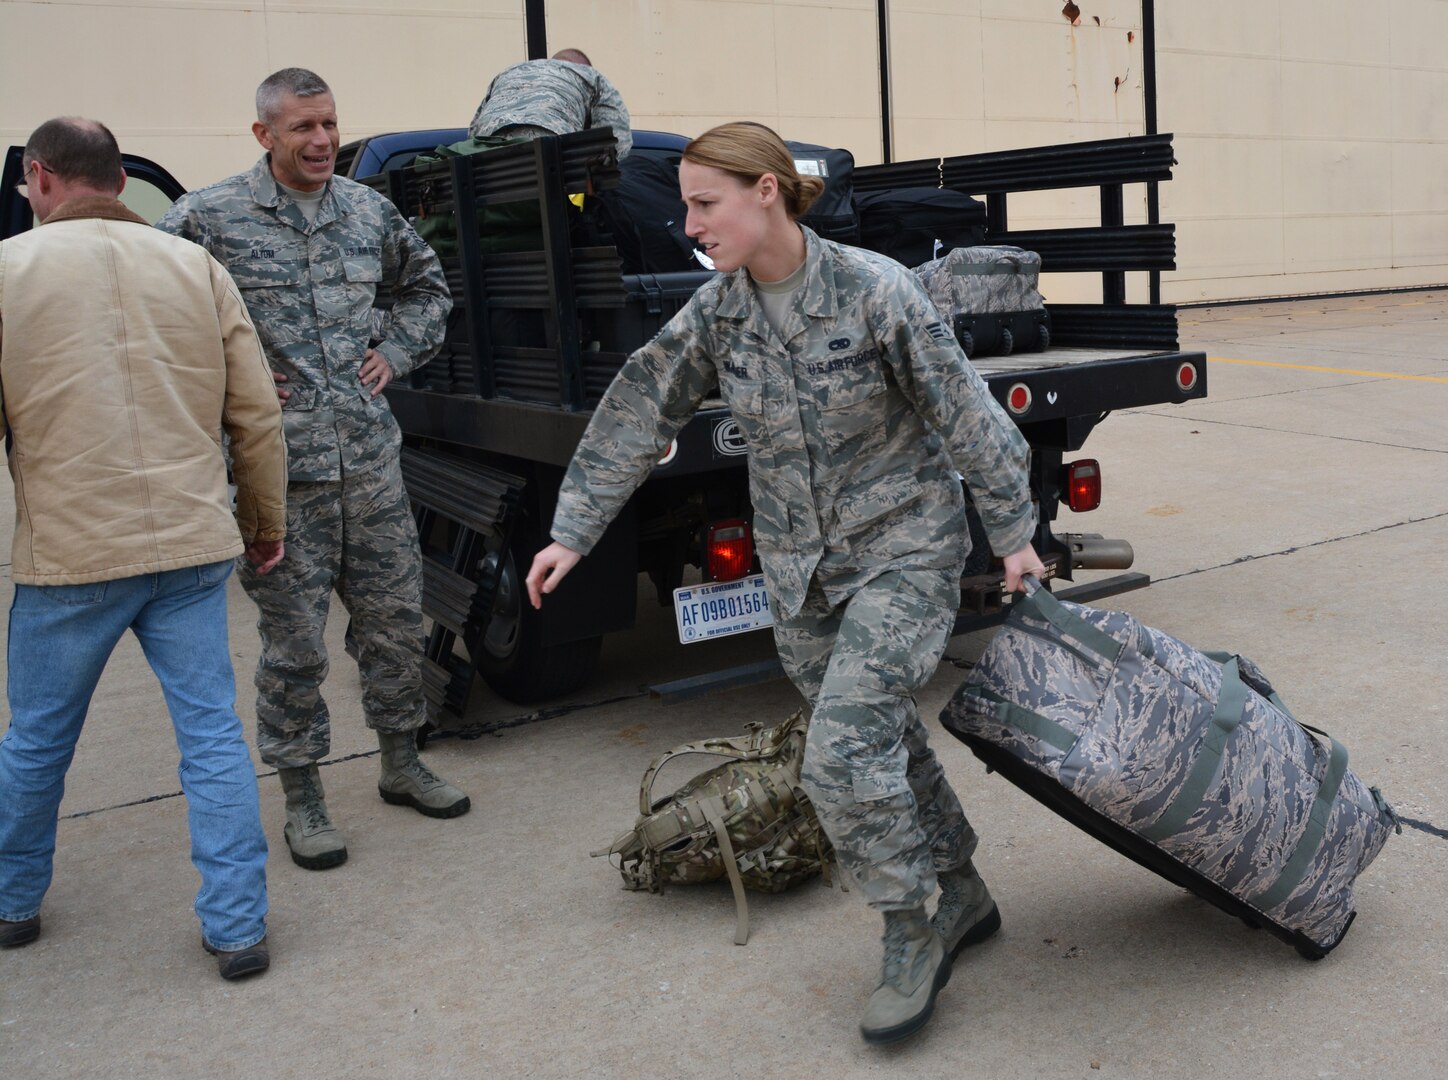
[(124, 356)]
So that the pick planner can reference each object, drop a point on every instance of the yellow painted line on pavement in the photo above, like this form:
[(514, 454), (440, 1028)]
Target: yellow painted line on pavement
[(1331, 370)]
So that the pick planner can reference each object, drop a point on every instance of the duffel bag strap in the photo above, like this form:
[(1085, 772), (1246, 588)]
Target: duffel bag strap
[(1231, 701), (1023, 720), (1312, 836), (1262, 686), (1231, 704), (713, 809), (1039, 603)]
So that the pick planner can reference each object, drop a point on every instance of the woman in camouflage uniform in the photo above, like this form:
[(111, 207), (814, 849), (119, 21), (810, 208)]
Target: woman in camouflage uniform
[(858, 406)]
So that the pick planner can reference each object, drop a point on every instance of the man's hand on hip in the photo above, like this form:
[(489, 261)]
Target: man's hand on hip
[(375, 369)]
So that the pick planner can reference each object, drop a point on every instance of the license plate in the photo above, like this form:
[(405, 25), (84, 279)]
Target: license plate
[(720, 608)]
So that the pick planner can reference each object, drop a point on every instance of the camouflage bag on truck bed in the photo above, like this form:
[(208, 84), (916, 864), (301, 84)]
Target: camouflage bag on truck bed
[(1185, 761), (991, 297), (746, 819)]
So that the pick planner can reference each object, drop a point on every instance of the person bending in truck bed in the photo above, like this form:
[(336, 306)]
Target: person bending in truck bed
[(853, 398), (552, 97), (310, 252)]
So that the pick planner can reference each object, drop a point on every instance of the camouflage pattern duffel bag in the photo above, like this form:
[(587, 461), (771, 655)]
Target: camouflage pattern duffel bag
[(746, 819), (991, 297), (1187, 762)]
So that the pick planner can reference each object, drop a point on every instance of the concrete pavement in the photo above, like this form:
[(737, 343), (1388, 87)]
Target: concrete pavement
[(1297, 515)]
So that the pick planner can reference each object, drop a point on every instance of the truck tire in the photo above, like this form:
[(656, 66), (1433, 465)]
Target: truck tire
[(511, 658)]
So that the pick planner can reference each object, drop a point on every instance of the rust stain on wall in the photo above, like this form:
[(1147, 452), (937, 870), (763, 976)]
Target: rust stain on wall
[(1072, 13)]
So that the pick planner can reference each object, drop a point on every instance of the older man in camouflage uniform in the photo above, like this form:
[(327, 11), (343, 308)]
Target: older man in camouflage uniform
[(309, 251), (853, 407), (552, 97)]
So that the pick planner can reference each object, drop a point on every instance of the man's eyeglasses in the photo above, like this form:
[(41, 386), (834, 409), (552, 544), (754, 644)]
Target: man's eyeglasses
[(23, 188)]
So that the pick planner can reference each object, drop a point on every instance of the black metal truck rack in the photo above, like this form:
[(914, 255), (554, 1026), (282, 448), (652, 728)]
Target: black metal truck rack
[(538, 334)]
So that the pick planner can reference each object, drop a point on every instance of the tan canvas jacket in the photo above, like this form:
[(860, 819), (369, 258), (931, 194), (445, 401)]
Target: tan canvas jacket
[(124, 355)]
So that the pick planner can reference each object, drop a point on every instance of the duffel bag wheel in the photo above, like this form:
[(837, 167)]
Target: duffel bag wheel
[(967, 343), (1043, 338), (1309, 954), (1250, 924), (1008, 341)]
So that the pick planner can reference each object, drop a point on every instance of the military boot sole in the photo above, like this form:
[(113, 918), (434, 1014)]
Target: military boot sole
[(906, 1028), (403, 798), (979, 931), (323, 860)]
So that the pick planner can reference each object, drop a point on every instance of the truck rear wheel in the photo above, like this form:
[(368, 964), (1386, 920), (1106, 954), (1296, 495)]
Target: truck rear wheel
[(512, 659)]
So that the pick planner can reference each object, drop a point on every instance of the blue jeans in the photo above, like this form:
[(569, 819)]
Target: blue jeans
[(60, 639)]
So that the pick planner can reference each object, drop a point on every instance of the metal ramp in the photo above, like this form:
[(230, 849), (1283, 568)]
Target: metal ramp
[(465, 513)]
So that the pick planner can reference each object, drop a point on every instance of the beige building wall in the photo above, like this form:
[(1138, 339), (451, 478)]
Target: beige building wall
[(1312, 137), (970, 76), (1311, 134), (175, 79), (807, 68), (966, 76)]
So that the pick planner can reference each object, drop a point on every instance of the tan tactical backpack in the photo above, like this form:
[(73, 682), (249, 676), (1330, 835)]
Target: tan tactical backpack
[(747, 818)]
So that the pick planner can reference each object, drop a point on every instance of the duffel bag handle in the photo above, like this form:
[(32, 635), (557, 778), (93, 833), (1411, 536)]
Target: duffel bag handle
[(1040, 604), (1253, 676)]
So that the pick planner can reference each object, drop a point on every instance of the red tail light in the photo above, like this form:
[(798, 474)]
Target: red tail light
[(1083, 485), (729, 549)]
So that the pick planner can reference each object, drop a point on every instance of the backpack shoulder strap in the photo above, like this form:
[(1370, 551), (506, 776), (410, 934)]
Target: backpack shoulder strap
[(713, 808), (757, 742)]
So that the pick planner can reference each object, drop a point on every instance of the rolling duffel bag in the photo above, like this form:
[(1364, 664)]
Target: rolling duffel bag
[(991, 297), (1187, 762)]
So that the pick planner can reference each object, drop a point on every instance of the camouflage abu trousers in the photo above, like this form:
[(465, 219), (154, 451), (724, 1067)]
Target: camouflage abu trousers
[(878, 788), (357, 536)]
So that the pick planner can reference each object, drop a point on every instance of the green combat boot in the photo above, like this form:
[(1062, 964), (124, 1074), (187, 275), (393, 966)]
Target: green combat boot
[(313, 840), (966, 915), (916, 967), (406, 781)]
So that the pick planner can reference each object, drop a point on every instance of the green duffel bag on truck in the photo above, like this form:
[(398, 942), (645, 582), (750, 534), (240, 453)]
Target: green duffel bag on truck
[(502, 227), (746, 819)]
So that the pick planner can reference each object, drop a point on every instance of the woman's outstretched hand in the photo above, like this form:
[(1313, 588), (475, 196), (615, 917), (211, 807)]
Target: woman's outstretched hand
[(1018, 565), (550, 566)]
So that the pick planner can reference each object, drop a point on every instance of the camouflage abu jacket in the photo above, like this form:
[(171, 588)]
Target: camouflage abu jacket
[(848, 421), (310, 291), (554, 94)]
